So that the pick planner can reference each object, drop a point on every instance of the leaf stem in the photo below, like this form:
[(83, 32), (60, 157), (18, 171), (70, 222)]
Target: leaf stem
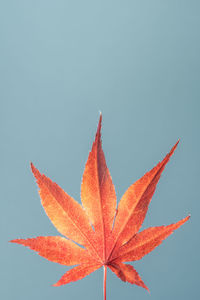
[(104, 284)]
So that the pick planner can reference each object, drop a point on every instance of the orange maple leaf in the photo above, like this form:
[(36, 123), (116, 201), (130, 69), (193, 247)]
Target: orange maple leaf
[(109, 236)]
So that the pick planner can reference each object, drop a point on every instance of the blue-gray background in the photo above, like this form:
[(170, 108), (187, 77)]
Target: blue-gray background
[(62, 62)]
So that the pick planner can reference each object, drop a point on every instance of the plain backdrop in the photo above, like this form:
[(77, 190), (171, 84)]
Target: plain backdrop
[(61, 62)]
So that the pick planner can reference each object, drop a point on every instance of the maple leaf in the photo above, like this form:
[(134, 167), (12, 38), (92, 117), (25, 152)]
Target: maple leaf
[(109, 236)]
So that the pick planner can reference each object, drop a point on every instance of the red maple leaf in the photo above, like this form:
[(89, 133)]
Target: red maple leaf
[(113, 237)]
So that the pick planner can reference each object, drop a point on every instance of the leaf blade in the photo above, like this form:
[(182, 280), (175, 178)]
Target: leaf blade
[(56, 249), (146, 241), (127, 273), (133, 206), (77, 273), (65, 213), (98, 193)]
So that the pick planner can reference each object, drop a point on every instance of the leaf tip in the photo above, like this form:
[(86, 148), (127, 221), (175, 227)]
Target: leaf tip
[(58, 283), (98, 133), (188, 217), (174, 147), (16, 241), (35, 171), (100, 122), (32, 167), (11, 241), (55, 284), (146, 288)]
